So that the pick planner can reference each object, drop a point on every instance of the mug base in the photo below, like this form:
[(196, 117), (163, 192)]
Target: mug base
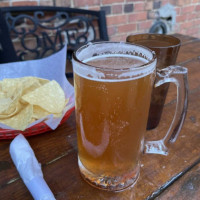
[(109, 183)]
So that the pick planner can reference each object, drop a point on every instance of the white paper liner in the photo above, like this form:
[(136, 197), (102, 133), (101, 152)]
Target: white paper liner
[(29, 169), (51, 68)]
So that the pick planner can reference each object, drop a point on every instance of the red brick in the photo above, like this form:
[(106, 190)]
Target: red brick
[(183, 2), (183, 31), (186, 25), (4, 4), (148, 5), (63, 3), (195, 1), (197, 8), (164, 2), (133, 0), (111, 1), (181, 18), (191, 16), (145, 25), (139, 6), (196, 23), (85, 3), (187, 9), (119, 38), (172, 2), (116, 19), (178, 10), (112, 30), (24, 3), (127, 28), (197, 14), (45, 3), (192, 31), (93, 8), (137, 16), (117, 9)]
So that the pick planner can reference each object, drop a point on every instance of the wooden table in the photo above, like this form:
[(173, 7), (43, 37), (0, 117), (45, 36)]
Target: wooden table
[(174, 177)]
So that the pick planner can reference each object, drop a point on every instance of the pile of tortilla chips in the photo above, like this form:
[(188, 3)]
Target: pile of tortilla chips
[(24, 100)]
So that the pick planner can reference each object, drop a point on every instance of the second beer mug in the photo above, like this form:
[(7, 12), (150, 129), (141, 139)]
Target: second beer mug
[(166, 48), (113, 83)]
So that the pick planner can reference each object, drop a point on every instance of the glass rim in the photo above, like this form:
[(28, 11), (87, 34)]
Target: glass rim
[(143, 66), (178, 41)]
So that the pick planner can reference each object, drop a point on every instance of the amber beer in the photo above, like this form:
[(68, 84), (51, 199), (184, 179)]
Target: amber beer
[(111, 117)]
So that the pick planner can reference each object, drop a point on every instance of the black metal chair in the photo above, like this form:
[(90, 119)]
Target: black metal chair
[(38, 31), (6, 44)]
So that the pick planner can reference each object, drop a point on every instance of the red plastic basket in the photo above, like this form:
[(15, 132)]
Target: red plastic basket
[(34, 130)]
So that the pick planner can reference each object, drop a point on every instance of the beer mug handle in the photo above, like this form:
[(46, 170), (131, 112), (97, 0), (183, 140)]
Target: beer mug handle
[(178, 75)]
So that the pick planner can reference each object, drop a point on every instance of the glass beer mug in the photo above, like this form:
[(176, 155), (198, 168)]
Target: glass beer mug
[(113, 83)]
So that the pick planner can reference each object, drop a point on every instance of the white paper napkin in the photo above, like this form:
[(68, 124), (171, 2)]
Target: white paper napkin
[(29, 169), (51, 68)]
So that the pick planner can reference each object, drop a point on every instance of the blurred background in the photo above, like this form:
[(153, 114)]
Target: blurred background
[(125, 17)]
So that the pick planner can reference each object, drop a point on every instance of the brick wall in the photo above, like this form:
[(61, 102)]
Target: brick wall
[(126, 17)]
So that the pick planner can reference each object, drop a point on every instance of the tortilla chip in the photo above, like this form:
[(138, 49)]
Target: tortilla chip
[(50, 97), (24, 100), (20, 120)]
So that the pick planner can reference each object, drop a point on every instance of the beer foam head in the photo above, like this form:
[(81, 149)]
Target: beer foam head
[(129, 61)]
